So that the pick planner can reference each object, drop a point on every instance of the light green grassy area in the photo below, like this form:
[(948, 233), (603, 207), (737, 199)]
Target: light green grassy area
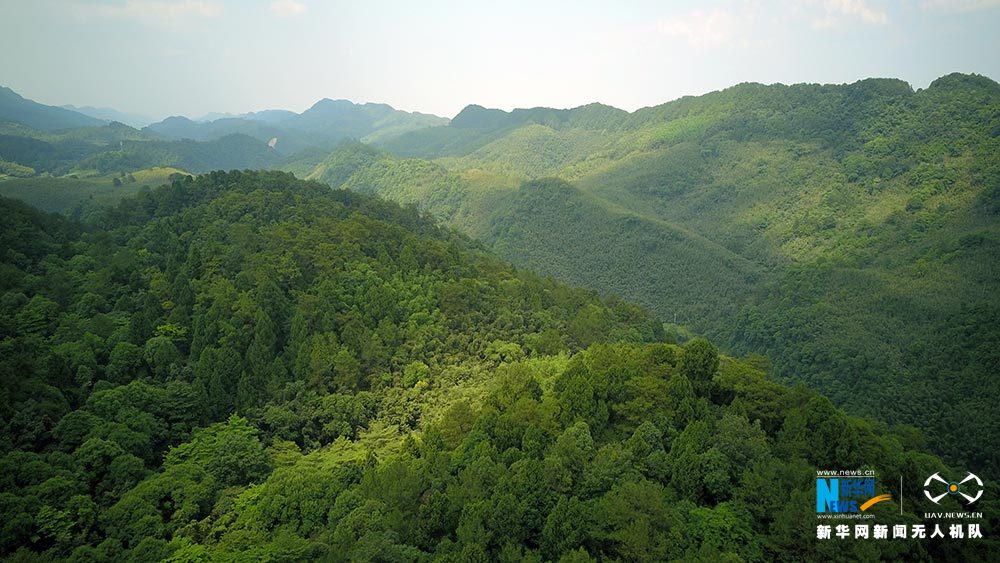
[(65, 194)]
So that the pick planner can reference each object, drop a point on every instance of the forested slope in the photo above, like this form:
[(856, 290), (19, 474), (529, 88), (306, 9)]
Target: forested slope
[(849, 232), (118, 148), (246, 366), (323, 125), (15, 108)]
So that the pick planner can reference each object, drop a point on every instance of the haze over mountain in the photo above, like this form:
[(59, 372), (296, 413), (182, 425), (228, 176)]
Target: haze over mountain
[(323, 125), (35, 138), (191, 57), (100, 148), (17, 109), (111, 114)]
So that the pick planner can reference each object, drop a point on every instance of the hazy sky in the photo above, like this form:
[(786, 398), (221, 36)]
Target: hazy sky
[(190, 57)]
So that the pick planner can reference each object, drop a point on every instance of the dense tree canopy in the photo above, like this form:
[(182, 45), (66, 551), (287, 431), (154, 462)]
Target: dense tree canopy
[(244, 366), (848, 232)]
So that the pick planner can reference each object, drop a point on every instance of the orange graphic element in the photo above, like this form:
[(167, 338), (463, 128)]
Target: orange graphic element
[(874, 500)]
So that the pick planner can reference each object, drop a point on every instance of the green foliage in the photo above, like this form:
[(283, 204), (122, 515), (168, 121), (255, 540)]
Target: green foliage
[(320, 317), (80, 197), (847, 232), (16, 170), (230, 452), (15, 108), (244, 366), (234, 151), (119, 150), (699, 361)]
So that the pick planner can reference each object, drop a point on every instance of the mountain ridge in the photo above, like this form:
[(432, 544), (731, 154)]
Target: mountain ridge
[(889, 190), (255, 367), (16, 108), (110, 114), (323, 124)]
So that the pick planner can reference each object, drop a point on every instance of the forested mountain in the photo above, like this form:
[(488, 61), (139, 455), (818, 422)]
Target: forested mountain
[(236, 151), (76, 171), (476, 126), (113, 148), (42, 140), (324, 124), (26, 152), (17, 109), (245, 366), (848, 232)]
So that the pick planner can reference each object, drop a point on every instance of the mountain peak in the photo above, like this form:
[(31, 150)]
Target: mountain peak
[(475, 116), (14, 107), (177, 120), (327, 103), (958, 81), (7, 92)]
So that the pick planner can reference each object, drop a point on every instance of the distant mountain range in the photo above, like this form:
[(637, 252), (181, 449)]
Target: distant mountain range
[(37, 138), (324, 125), (38, 116), (111, 114)]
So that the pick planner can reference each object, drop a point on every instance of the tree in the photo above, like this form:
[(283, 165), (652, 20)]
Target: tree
[(162, 356), (125, 363), (218, 373), (566, 527), (699, 361), (229, 451)]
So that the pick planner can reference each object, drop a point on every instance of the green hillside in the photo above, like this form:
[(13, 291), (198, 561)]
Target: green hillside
[(236, 151), (475, 127), (848, 232), (14, 108), (32, 145), (83, 195), (118, 148), (59, 152), (635, 257), (325, 124), (245, 366)]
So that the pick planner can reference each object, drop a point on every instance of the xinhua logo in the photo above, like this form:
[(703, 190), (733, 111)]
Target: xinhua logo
[(953, 488), (847, 495)]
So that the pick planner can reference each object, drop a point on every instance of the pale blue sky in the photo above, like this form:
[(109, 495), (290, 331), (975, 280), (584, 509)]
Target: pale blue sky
[(190, 57)]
